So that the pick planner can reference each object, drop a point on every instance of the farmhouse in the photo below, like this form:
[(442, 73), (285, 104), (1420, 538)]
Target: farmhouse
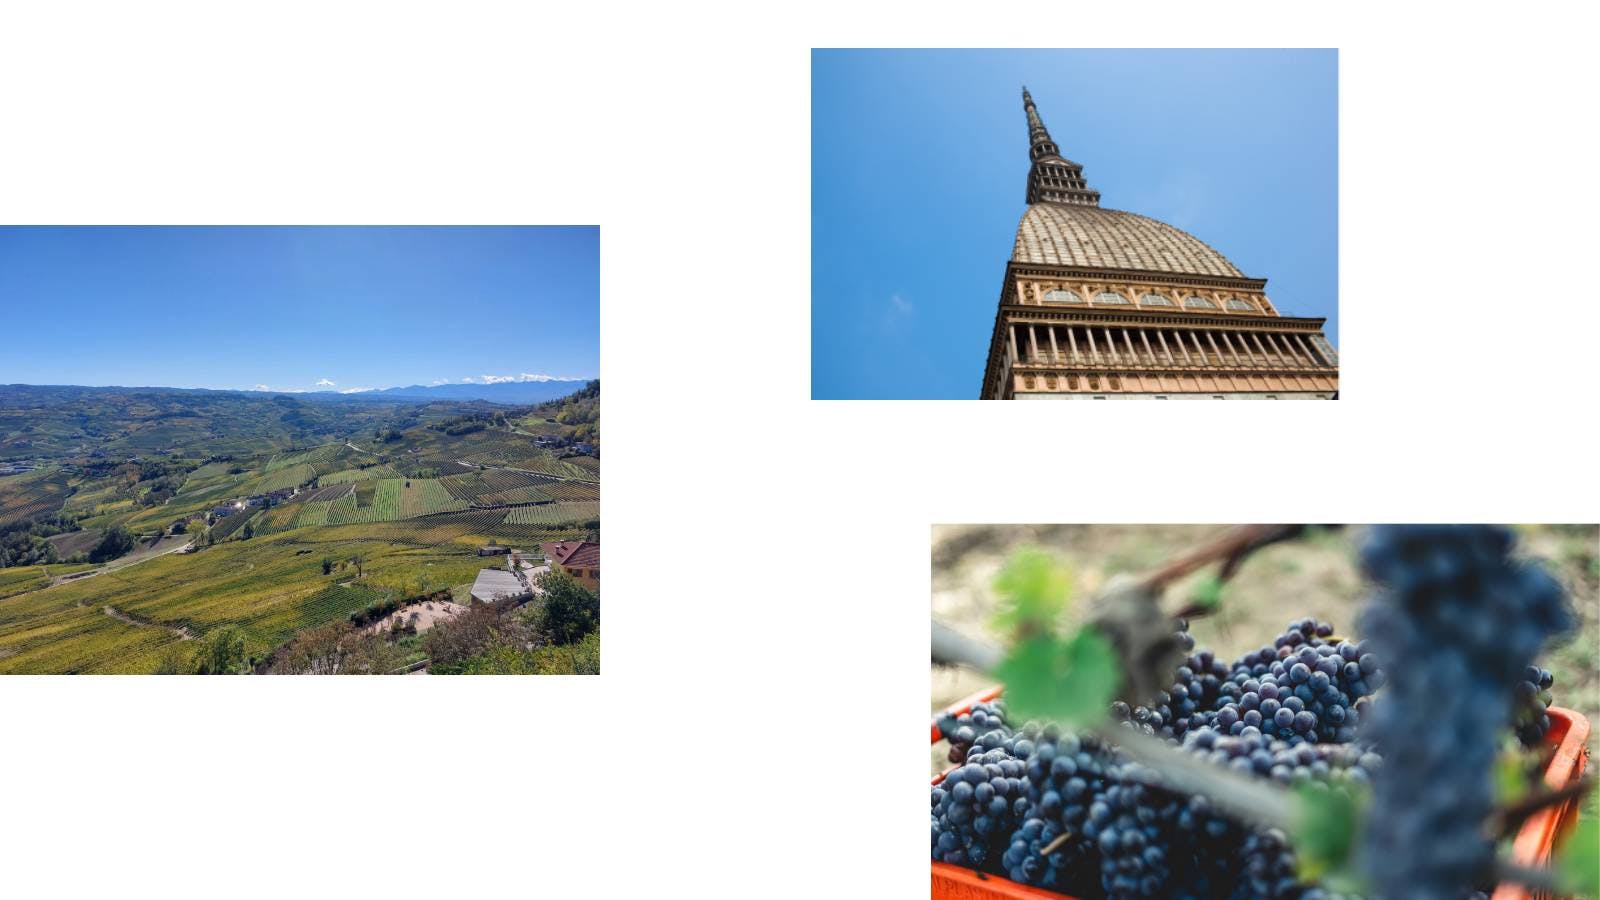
[(580, 559), (491, 550), (495, 584)]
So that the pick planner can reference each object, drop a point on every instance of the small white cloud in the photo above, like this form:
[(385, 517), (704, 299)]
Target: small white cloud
[(325, 383), (439, 381), (898, 313), (355, 390), (261, 387)]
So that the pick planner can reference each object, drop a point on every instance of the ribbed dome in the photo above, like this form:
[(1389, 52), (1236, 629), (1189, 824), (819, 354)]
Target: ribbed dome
[(1059, 234)]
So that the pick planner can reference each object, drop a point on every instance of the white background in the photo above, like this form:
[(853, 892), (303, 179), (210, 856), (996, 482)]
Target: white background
[(757, 731)]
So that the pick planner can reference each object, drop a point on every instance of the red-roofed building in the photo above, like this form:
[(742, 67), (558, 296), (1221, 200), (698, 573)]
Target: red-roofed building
[(580, 559)]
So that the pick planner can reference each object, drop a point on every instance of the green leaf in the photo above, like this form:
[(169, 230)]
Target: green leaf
[(1510, 777), (1325, 825), (1068, 681), (1578, 863), (1208, 593), (1034, 588)]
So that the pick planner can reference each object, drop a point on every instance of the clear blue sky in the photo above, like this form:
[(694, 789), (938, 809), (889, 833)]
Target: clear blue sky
[(301, 308), (919, 168)]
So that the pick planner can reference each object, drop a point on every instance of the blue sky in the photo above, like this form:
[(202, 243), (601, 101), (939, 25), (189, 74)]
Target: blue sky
[(298, 308), (919, 168)]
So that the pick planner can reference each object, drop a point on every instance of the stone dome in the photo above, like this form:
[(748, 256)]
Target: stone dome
[(1065, 234)]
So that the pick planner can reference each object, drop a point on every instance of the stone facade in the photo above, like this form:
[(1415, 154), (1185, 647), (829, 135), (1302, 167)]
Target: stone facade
[(1104, 303)]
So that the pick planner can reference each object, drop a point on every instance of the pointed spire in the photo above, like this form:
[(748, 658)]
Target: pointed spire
[(1038, 135), (1053, 178)]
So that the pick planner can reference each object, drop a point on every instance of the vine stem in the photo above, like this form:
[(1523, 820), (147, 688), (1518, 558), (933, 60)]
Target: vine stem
[(1240, 797)]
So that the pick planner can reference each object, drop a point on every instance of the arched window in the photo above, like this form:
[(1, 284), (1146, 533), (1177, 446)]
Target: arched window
[(1154, 300), (1198, 303), (1063, 297), (1110, 298), (1245, 305)]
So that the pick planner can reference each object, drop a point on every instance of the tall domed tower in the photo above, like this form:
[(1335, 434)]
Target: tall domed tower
[(1101, 304)]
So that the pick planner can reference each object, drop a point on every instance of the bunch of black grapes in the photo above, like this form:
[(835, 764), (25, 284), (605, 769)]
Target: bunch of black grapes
[(982, 720), (1066, 776), (1306, 688), (977, 807), (1458, 623), (1533, 698)]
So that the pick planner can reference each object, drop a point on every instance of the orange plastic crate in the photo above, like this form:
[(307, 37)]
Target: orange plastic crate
[(1532, 847)]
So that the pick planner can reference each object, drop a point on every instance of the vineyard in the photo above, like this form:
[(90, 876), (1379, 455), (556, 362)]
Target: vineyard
[(1126, 758), (568, 490), (547, 465), (320, 458), (230, 525), (375, 535), (283, 478), (382, 470), (553, 514), (31, 495)]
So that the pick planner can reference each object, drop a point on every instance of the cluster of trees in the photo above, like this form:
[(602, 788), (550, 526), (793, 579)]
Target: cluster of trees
[(116, 543), (559, 633), (467, 423), (23, 543), (220, 652), (580, 410), (337, 648), (386, 435), (161, 479)]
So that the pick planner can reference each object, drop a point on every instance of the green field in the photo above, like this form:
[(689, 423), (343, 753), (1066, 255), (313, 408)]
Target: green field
[(553, 514)]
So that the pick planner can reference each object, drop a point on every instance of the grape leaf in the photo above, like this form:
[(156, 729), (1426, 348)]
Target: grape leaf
[(1208, 593), (1070, 681), (1034, 588), (1325, 827), (1578, 864)]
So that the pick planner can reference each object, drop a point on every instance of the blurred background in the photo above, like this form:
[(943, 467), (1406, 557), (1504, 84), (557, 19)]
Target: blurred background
[(1315, 575)]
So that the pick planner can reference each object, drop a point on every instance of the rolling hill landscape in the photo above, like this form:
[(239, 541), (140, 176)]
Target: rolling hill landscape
[(147, 530), (300, 449)]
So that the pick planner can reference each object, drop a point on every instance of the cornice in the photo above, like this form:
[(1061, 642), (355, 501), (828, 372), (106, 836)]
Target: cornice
[(1018, 313)]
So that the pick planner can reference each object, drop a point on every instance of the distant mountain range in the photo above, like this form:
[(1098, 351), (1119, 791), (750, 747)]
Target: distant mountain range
[(513, 392)]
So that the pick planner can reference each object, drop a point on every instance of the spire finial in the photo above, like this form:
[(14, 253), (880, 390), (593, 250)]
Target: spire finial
[(1038, 135), (1053, 179)]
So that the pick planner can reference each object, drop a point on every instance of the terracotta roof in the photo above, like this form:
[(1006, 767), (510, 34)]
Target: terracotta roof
[(574, 554), (1061, 234)]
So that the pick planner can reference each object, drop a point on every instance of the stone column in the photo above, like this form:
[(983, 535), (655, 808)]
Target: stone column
[(1214, 349), (1194, 336), (1111, 345), (1316, 358), (1295, 354), (1178, 339), (1145, 340), (1094, 352), (1162, 338), (1055, 352), (1257, 339), (1011, 342), (1072, 338), (1247, 351), (1231, 349), (1127, 341), (1033, 345)]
